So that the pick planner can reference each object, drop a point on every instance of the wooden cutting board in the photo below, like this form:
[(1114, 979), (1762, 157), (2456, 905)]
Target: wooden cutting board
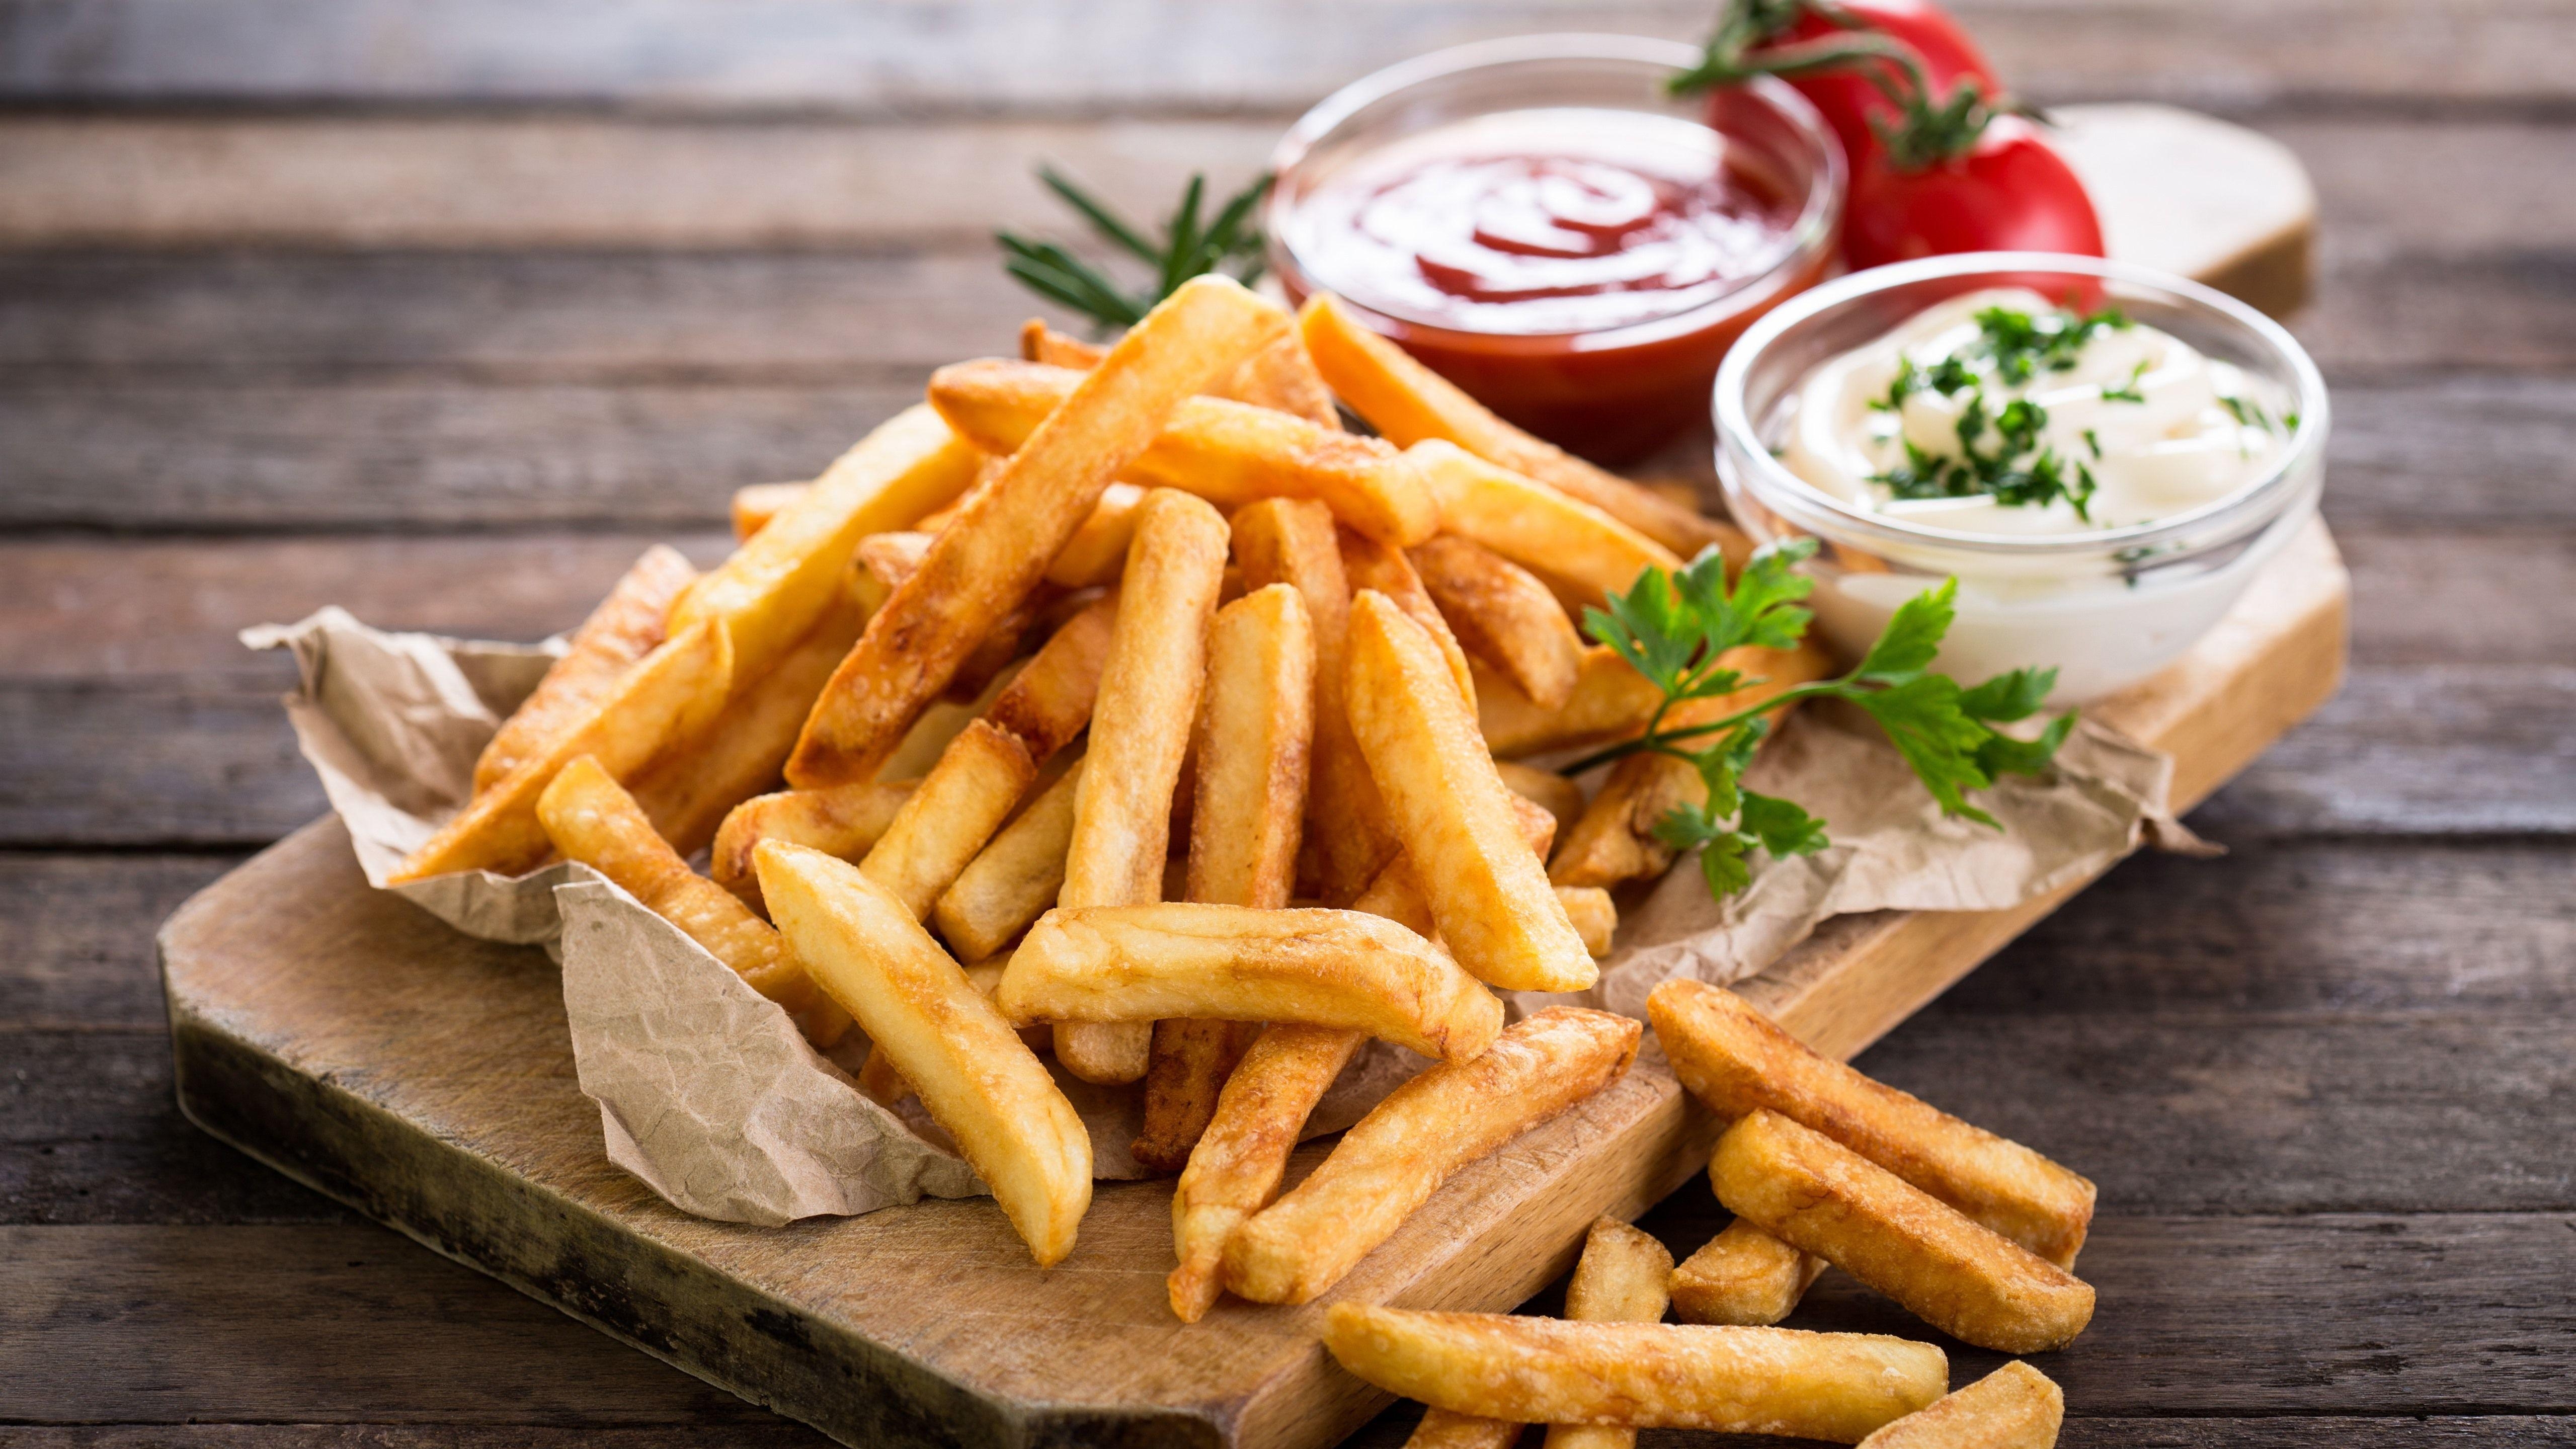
[(425, 1079)]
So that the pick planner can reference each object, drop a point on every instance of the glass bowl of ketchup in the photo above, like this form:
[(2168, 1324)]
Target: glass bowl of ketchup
[(1540, 223)]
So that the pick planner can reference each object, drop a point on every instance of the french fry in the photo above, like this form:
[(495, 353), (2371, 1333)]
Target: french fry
[(1292, 541), (1410, 1143), (1736, 1060), (1502, 614), (1371, 565), (1560, 797), (623, 629), (1283, 378), (986, 561), (1535, 526), (1833, 1386), (1594, 915), (984, 772), (1452, 812), (1619, 1279), (1396, 895), (1970, 1282), (1610, 701), (1016, 878), (2015, 1407), (844, 821), (1256, 718), (688, 792), (1408, 402), (938, 726), (1315, 966), (1149, 697), (1615, 840), (594, 821), (1229, 453), (754, 504), (769, 594), (974, 1075), (1041, 343), (1098, 549), (1441, 1429), (1236, 1166), (877, 1075), (672, 694), (885, 560), (1744, 1277)]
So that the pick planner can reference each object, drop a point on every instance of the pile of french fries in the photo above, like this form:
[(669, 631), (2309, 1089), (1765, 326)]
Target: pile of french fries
[(1132, 712)]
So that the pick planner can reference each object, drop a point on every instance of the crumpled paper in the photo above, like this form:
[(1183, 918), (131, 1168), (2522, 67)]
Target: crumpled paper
[(710, 1096)]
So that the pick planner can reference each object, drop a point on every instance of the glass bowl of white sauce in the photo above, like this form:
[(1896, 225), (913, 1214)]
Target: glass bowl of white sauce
[(2103, 455)]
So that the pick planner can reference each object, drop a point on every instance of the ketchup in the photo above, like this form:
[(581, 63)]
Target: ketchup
[(1578, 271)]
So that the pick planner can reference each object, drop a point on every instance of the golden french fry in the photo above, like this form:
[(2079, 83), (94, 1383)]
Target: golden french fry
[(1970, 1282), (1315, 966), (1452, 812), (1282, 377), (986, 561), (844, 821), (2015, 1407), (885, 560), (1833, 1386), (892, 557), (1441, 1429), (877, 1075), (1049, 702), (1594, 915), (1408, 402), (768, 595), (1292, 541), (671, 695), (1735, 1060), (1610, 701), (1396, 895), (1236, 1166), (1041, 343), (623, 629), (1560, 797), (1744, 1277), (1615, 840), (1503, 615), (1148, 699), (1229, 453), (689, 791), (592, 820), (937, 727), (1098, 549), (754, 504), (1371, 565), (1619, 1279), (1584, 550), (1016, 878), (974, 1075), (1185, 1072), (1410, 1143)]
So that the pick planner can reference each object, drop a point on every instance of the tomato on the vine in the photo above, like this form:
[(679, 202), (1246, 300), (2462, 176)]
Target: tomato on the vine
[(1850, 102), (2009, 193)]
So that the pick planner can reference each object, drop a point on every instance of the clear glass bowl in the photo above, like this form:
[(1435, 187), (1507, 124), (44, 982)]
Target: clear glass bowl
[(1613, 393), (2106, 608)]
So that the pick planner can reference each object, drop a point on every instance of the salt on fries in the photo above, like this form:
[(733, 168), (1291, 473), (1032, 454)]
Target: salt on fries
[(1744, 1277), (974, 1075), (2015, 1407)]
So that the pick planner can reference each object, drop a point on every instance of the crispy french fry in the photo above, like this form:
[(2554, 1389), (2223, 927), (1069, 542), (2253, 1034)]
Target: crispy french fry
[(885, 560), (1970, 1282), (1255, 723), (1503, 615), (877, 1075), (1371, 565), (1239, 963), (1410, 1143), (1098, 549), (688, 792), (623, 629), (2015, 1407), (768, 595), (1610, 701), (1283, 378), (843, 821), (1229, 453), (1615, 840), (1834, 1386), (1441, 1429), (594, 821), (1408, 402), (1292, 541), (986, 561), (1236, 1166), (1594, 915), (1560, 797), (938, 726), (1148, 699), (1016, 878), (974, 1075), (754, 504), (1743, 1276), (1736, 1060), (1586, 550), (1396, 895), (1049, 702), (1452, 812), (1041, 343), (1619, 1279), (672, 694)]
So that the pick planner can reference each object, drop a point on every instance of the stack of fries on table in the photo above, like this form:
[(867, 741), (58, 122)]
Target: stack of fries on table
[(1089, 608)]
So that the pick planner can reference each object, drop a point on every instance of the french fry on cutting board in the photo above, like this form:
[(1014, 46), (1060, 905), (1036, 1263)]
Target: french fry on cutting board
[(843, 821), (623, 629), (1744, 1277), (1502, 614), (1619, 1279), (2015, 1407), (1535, 526), (1369, 564), (1610, 701), (1018, 876)]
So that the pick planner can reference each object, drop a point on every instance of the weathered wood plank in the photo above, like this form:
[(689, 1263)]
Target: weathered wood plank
[(204, 762), (809, 54), (770, 1432), (80, 937)]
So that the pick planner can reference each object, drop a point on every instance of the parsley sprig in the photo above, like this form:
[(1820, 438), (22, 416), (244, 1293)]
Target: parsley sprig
[(1676, 628), (1227, 242)]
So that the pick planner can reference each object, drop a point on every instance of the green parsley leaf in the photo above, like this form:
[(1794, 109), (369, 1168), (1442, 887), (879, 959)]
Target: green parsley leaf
[(1784, 828), (1912, 636)]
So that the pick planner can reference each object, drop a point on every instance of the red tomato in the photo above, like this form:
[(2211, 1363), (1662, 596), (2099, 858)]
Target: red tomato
[(1849, 102), (2009, 194)]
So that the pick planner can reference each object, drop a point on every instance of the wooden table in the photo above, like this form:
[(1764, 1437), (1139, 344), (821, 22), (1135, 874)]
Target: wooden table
[(441, 314)]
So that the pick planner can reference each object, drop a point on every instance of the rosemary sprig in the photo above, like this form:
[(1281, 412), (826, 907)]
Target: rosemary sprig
[(1226, 243)]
